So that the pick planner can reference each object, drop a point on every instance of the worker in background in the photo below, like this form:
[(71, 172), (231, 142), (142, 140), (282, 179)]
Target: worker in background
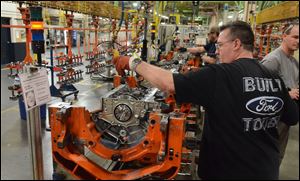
[(209, 48), (281, 61), (240, 139)]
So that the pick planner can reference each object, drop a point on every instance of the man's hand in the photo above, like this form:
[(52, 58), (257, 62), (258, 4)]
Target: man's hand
[(294, 93), (121, 64), (208, 59)]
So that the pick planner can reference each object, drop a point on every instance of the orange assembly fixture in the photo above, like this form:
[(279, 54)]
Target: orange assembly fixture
[(75, 123), (117, 80), (131, 81), (127, 130)]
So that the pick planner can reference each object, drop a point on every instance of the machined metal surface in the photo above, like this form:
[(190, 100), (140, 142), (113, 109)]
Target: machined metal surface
[(123, 121), (35, 141)]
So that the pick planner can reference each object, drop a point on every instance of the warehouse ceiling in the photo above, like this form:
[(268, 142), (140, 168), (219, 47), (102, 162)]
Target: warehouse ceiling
[(202, 8), (112, 9), (187, 8), (98, 8)]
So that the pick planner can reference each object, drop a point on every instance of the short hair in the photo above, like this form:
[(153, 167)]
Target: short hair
[(287, 30), (242, 31), (214, 29)]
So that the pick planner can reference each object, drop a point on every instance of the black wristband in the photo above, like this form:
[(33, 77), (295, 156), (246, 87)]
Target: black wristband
[(183, 49)]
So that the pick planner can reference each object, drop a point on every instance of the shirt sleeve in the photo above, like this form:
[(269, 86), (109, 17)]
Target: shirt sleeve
[(195, 87), (206, 47), (271, 63), (290, 115)]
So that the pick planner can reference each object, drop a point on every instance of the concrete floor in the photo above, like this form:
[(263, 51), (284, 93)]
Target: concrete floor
[(15, 156)]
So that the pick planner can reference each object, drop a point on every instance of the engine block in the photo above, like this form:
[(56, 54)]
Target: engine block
[(123, 122)]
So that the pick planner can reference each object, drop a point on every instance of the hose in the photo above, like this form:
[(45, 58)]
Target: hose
[(122, 15)]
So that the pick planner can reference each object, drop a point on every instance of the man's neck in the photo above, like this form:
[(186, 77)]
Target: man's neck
[(286, 50), (245, 54)]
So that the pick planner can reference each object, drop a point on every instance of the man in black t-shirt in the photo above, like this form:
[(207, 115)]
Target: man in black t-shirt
[(244, 100)]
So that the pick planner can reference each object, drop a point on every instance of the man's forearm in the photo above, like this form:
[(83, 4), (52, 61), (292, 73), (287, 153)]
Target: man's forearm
[(196, 50), (158, 77), (209, 59)]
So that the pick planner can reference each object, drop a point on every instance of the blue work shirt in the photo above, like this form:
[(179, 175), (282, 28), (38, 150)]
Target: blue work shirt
[(211, 49)]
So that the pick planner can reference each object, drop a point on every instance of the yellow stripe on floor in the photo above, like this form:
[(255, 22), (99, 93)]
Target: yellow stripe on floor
[(14, 108), (5, 68)]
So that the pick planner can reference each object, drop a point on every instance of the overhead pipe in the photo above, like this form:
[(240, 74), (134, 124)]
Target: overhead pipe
[(122, 15)]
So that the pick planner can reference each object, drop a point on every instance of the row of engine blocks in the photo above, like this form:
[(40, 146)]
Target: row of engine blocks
[(64, 60), (94, 55), (66, 74), (95, 67), (69, 76), (14, 68)]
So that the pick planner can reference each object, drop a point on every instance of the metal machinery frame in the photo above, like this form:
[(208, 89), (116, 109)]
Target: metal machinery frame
[(69, 20), (138, 133), (67, 6), (138, 130)]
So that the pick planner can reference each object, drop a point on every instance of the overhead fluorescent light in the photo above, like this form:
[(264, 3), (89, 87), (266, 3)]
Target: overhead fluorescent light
[(230, 16), (221, 23), (134, 4)]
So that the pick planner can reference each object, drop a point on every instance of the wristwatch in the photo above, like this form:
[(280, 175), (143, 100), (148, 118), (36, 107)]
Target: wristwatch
[(134, 63)]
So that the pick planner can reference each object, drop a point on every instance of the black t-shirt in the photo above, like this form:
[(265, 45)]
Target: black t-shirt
[(244, 102)]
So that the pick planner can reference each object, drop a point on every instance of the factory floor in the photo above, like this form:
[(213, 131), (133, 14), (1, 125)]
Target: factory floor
[(15, 156)]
